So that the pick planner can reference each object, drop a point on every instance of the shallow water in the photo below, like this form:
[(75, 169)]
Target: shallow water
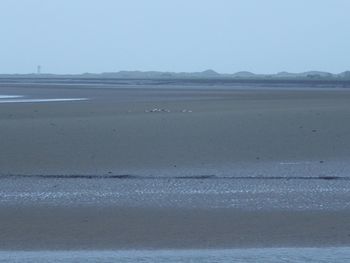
[(203, 256), (22, 99), (248, 194)]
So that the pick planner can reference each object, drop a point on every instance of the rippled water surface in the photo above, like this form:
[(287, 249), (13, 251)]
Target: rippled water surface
[(210, 193)]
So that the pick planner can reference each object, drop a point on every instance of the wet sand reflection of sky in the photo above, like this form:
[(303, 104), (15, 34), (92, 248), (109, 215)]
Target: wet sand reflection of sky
[(22, 99)]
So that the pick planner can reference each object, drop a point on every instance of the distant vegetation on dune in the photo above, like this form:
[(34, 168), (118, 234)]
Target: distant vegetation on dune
[(207, 74)]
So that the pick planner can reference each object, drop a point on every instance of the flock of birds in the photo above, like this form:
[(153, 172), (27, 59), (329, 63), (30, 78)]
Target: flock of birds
[(166, 110)]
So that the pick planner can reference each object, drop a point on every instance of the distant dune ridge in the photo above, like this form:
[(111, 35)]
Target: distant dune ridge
[(309, 75)]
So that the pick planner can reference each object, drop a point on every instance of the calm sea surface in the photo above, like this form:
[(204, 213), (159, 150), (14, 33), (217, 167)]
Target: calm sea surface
[(236, 255)]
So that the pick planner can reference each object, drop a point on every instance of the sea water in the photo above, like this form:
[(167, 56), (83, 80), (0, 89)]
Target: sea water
[(171, 256)]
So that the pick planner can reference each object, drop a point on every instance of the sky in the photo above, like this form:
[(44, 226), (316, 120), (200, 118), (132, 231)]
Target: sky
[(262, 36)]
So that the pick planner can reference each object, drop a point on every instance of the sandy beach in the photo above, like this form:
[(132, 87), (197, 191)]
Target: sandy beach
[(180, 167)]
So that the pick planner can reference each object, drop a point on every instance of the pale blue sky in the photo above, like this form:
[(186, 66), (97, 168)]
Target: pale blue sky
[(263, 36)]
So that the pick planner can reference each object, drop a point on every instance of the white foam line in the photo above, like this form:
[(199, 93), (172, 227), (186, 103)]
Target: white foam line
[(42, 100)]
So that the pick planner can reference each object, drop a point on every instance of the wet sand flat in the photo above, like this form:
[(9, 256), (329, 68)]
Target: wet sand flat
[(76, 228), (207, 130)]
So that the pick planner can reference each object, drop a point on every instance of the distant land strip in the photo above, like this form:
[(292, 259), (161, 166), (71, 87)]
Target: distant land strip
[(191, 82), (209, 73)]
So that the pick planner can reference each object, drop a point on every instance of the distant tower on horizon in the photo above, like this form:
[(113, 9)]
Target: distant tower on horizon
[(38, 70)]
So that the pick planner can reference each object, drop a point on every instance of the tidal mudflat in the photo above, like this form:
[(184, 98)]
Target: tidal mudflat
[(173, 166)]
